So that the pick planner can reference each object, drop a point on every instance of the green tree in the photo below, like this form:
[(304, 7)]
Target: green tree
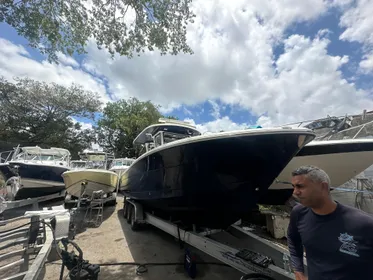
[(65, 26), (121, 122), (37, 113)]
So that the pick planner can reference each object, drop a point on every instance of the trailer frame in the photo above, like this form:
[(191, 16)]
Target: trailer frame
[(38, 238), (6, 205), (203, 240)]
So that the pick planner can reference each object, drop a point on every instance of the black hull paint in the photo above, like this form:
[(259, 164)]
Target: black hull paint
[(6, 172), (25, 193), (39, 172), (211, 183), (36, 172)]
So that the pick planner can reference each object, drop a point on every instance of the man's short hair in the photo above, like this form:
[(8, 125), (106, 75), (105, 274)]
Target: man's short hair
[(314, 173)]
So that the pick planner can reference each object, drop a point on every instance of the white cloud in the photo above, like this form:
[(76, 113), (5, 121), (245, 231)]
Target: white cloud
[(367, 63), (15, 61), (232, 44), (84, 125), (234, 63), (67, 60), (223, 124), (215, 109), (358, 21)]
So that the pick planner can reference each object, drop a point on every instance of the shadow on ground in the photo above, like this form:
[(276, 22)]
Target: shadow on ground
[(82, 219), (151, 245)]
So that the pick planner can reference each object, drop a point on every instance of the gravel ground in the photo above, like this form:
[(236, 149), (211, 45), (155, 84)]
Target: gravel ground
[(114, 241)]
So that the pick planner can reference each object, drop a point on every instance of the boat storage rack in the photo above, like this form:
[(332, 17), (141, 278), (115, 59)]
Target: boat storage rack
[(27, 241), (259, 256)]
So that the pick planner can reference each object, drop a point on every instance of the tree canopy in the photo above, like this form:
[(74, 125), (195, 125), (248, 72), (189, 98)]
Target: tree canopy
[(121, 122), (66, 26), (37, 113)]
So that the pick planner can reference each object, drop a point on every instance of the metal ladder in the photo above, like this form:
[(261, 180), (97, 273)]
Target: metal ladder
[(96, 204)]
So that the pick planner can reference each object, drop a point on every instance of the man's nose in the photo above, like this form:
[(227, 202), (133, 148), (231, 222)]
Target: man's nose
[(296, 191)]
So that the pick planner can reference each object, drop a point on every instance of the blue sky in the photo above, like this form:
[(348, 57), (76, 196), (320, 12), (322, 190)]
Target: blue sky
[(301, 60)]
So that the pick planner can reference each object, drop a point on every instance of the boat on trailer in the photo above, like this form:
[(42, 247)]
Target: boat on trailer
[(93, 177), (209, 180), (342, 160), (34, 172), (343, 147), (121, 165)]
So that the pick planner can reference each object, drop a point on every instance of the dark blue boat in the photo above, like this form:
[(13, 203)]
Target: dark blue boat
[(209, 180), (40, 170)]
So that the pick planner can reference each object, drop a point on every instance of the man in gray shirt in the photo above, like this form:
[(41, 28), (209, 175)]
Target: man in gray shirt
[(338, 239)]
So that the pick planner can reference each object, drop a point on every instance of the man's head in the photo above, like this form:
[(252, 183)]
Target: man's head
[(311, 185)]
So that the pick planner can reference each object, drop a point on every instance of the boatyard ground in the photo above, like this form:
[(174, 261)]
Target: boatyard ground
[(114, 241)]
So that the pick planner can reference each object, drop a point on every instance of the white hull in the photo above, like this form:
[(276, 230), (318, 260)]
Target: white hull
[(341, 167), (95, 179), (119, 170)]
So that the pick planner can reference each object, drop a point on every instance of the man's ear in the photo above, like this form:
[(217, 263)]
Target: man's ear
[(325, 186)]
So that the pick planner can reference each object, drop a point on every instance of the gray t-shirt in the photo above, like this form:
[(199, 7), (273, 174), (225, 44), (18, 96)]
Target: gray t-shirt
[(339, 246)]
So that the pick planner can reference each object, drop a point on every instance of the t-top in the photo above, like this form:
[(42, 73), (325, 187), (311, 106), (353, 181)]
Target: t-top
[(339, 246)]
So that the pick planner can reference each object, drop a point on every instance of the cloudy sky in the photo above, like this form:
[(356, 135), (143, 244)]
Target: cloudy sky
[(255, 62)]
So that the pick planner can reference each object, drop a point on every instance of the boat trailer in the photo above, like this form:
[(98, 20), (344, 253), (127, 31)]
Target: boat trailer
[(259, 259), (33, 241)]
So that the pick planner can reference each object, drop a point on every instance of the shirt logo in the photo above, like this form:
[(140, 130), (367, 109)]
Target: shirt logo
[(349, 245)]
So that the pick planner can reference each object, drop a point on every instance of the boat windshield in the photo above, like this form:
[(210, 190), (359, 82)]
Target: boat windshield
[(170, 137), (123, 162), (78, 164), (96, 165), (44, 157), (164, 137)]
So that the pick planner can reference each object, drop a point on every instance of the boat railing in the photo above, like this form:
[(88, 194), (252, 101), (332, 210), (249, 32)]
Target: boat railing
[(360, 131), (6, 156), (55, 160)]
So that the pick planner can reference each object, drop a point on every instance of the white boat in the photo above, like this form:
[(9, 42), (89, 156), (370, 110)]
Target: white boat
[(93, 177), (37, 170), (120, 165), (78, 164), (342, 160)]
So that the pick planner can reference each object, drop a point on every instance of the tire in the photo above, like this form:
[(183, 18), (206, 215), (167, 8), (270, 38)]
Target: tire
[(134, 224), (129, 213), (125, 209)]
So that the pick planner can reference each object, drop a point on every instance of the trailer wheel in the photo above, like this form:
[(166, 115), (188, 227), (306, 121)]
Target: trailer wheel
[(129, 213), (125, 210), (134, 224)]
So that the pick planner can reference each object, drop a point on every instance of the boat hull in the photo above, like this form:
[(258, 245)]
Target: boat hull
[(95, 179), (119, 170), (211, 182), (5, 173), (342, 160), (36, 179)]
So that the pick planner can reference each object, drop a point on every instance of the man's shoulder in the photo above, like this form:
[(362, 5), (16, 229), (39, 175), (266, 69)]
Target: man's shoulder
[(299, 210), (356, 215)]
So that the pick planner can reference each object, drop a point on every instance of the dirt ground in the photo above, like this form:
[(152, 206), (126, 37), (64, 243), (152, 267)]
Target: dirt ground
[(114, 241)]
